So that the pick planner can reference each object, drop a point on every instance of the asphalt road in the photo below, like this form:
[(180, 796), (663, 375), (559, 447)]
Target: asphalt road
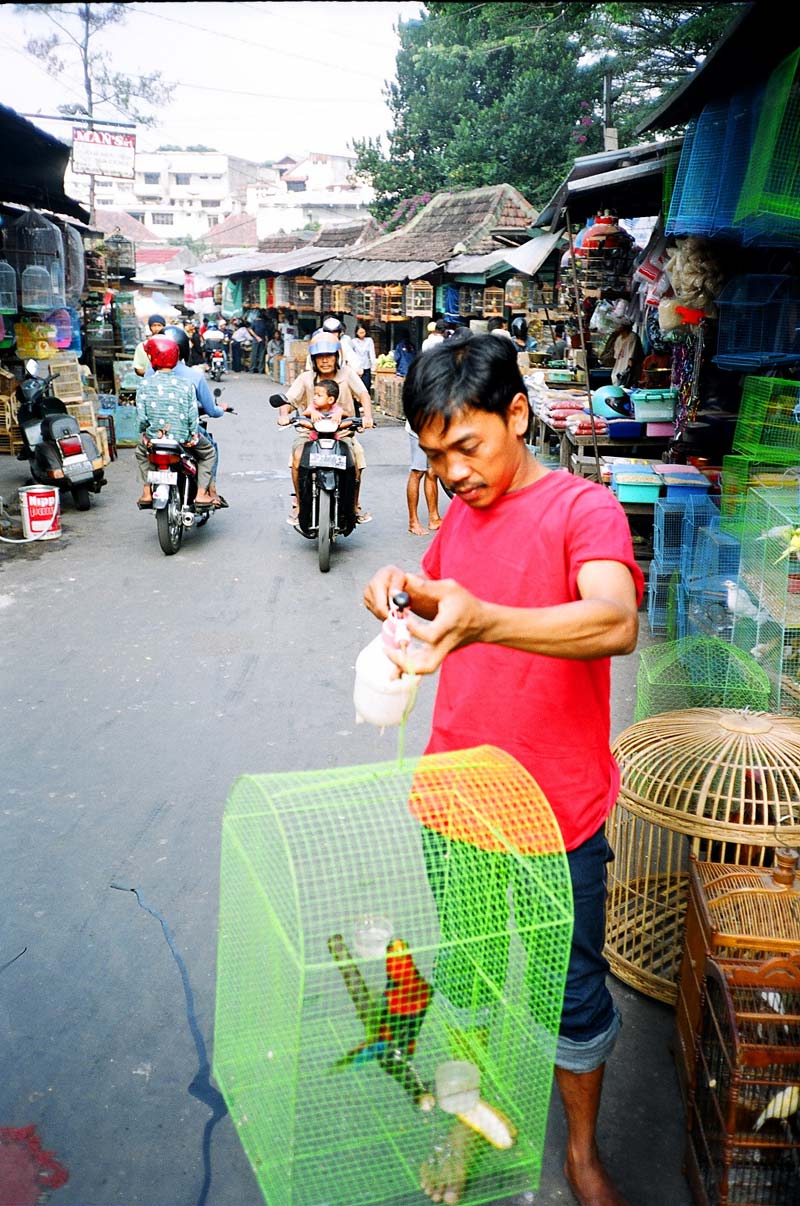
[(136, 688)]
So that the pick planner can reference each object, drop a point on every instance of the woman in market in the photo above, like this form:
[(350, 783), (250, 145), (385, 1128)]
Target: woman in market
[(403, 352), (325, 352), (364, 354)]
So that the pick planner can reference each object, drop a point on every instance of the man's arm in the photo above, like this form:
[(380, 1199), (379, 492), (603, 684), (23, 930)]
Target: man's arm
[(361, 392), (602, 623)]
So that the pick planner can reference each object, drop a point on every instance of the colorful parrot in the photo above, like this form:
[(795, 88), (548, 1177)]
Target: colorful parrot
[(392, 1022)]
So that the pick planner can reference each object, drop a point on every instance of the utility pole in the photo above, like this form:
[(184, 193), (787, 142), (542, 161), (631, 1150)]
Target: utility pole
[(610, 132), (87, 81)]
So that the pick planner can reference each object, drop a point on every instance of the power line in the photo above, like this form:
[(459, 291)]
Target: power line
[(311, 100), (288, 54)]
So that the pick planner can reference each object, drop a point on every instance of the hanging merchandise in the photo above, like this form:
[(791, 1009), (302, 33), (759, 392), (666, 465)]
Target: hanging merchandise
[(8, 289), (35, 340), (63, 327), (516, 293), (232, 298), (695, 274), (36, 249), (75, 274)]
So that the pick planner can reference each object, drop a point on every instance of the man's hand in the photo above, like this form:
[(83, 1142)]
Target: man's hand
[(367, 422), (457, 617)]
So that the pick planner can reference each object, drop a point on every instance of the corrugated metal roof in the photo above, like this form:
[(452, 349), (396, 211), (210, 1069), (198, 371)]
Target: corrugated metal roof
[(628, 180), (374, 272), (527, 258), (271, 263)]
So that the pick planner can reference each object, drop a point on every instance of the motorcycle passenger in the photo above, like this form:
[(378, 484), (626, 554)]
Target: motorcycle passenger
[(141, 364), (324, 405), (206, 403), (166, 407), (325, 354)]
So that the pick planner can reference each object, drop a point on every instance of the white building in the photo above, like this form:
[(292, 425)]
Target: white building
[(318, 188), (177, 194)]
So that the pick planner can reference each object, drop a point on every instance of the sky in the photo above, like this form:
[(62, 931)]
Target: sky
[(258, 80)]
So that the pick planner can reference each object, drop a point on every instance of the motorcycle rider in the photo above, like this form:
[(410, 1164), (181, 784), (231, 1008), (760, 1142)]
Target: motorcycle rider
[(206, 403), (325, 355), (214, 338), (166, 406)]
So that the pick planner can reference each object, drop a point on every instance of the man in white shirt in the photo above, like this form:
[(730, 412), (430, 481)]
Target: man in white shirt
[(436, 332)]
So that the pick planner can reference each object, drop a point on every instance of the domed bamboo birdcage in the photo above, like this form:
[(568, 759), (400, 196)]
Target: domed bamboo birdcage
[(721, 784)]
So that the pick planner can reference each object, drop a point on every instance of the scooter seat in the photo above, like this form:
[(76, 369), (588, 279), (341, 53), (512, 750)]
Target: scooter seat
[(55, 427)]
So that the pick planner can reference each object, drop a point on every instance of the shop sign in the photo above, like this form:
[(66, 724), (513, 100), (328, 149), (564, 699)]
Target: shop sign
[(103, 153)]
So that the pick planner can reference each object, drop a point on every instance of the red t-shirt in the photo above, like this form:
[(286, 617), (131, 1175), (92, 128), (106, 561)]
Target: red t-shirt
[(551, 714)]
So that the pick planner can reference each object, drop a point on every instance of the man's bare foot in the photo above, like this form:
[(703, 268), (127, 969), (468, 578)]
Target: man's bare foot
[(434, 524), (444, 1175), (591, 1184), (416, 529)]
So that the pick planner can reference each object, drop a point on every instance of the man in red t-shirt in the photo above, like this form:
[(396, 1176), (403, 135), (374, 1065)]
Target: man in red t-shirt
[(531, 587)]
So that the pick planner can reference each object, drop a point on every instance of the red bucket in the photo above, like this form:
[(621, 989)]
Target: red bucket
[(41, 512)]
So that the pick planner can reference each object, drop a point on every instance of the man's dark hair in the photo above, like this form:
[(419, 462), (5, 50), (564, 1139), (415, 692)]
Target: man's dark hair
[(559, 330), (495, 324), (478, 372), (441, 326), (331, 387)]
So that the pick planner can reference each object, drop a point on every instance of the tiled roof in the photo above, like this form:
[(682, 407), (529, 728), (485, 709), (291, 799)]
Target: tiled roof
[(452, 218), (239, 230), (109, 220)]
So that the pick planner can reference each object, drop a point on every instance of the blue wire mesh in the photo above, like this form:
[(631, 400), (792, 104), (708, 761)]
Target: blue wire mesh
[(658, 597), (758, 322), (708, 612), (698, 513), (668, 531), (716, 554)]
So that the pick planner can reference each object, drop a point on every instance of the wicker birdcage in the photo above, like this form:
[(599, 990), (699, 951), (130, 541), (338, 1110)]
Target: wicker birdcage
[(326, 1068), (306, 294), (743, 1147), (516, 293), (493, 302), (419, 299), (733, 913), (726, 780)]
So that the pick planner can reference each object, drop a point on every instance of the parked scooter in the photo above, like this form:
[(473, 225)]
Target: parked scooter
[(326, 496), (59, 453), (217, 364), (172, 476)]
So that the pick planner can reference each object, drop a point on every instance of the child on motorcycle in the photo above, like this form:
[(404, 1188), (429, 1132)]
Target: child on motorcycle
[(324, 405)]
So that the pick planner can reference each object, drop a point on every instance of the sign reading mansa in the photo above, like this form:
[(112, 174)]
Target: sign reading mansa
[(103, 153)]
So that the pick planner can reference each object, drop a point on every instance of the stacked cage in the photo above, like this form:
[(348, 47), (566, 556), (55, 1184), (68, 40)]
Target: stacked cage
[(689, 775), (744, 1137), (330, 1058), (710, 582), (698, 672), (734, 912), (767, 596), (768, 208), (676, 524)]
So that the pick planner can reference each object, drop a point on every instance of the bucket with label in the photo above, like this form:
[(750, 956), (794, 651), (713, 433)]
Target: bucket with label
[(40, 507)]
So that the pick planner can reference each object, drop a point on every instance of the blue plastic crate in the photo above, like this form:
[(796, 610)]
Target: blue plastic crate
[(682, 490)]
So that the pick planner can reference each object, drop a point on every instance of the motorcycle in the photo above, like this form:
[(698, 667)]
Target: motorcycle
[(326, 496), (217, 364), (59, 453), (172, 476)]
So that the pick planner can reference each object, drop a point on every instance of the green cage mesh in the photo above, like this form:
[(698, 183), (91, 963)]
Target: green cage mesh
[(767, 428), (769, 201), (740, 474), (698, 672), (767, 605), (450, 867)]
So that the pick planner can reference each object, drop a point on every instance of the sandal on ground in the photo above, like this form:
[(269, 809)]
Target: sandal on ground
[(294, 514), (363, 517), (220, 502), (144, 504)]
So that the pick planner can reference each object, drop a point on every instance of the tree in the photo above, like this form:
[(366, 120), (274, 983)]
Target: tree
[(78, 27), (491, 93)]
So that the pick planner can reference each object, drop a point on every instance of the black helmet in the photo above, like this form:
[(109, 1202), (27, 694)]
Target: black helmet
[(519, 328), (179, 336)]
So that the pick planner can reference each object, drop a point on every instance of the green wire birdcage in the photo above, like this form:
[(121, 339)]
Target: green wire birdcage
[(331, 1060), (698, 672), (768, 210)]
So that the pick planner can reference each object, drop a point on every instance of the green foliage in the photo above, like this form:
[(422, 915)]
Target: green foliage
[(77, 28), (496, 93)]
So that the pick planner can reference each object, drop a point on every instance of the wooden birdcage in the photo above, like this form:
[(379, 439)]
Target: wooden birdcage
[(727, 780), (342, 299), (306, 295), (493, 302), (516, 293), (743, 1146), (734, 912), (393, 304), (470, 300), (362, 302), (282, 290), (419, 299)]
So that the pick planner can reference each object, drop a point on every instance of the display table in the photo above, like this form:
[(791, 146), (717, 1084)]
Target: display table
[(572, 455)]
